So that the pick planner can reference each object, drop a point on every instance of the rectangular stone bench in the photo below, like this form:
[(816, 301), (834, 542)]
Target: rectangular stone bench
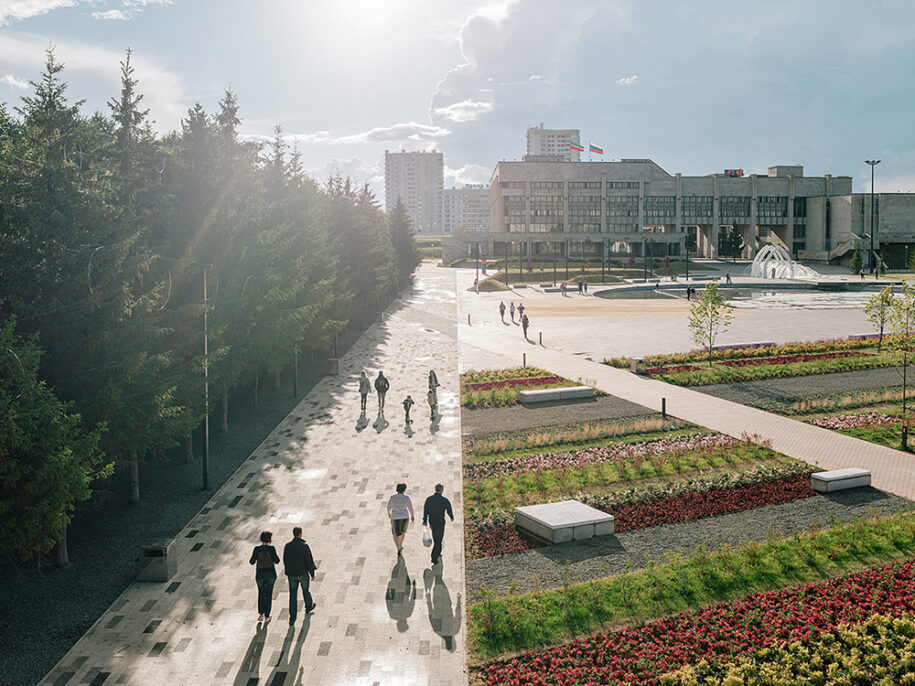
[(568, 520), (840, 479), (542, 395)]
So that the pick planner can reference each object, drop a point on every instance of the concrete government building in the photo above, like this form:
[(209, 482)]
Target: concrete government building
[(547, 206)]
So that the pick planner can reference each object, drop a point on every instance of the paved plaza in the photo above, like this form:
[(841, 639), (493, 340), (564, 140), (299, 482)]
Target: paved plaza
[(377, 621), (380, 620)]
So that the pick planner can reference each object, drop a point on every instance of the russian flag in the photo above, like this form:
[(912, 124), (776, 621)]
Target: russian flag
[(594, 148)]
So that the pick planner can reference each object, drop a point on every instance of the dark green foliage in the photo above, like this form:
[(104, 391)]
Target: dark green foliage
[(406, 254), (730, 244), (857, 261), (47, 460)]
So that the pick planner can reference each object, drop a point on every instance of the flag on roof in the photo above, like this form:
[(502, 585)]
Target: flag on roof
[(577, 147), (594, 148)]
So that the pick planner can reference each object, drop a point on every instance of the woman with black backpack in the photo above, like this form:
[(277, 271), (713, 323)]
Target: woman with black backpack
[(265, 557)]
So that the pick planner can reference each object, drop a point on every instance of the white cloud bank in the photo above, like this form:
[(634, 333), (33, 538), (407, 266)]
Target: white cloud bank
[(117, 15), (17, 10), (11, 80), (463, 111), (469, 173), (627, 80)]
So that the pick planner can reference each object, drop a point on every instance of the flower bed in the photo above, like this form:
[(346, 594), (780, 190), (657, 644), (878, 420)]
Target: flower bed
[(513, 383), (677, 369), (619, 452), (790, 359), (495, 533), (722, 632), (502, 374), (879, 651), (853, 421)]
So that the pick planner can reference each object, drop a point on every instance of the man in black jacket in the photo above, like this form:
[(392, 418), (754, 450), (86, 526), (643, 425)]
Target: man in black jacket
[(299, 566), (434, 513), (381, 387)]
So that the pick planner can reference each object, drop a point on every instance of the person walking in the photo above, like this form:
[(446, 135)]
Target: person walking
[(432, 399), (400, 512), (511, 311), (299, 566), (381, 387), (265, 557), (407, 404), (502, 311), (433, 381), (580, 287), (365, 387), (520, 310), (585, 282), (434, 510), (727, 277), (525, 322), (562, 288)]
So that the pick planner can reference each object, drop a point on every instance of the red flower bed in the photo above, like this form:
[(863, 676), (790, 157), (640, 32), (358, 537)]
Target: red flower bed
[(686, 506), (788, 359), (504, 540), (722, 632), (513, 383), (672, 370)]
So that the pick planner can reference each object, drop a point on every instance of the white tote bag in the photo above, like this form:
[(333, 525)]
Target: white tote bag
[(427, 536)]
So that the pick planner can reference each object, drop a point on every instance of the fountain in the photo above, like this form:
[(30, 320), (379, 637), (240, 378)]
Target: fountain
[(774, 262)]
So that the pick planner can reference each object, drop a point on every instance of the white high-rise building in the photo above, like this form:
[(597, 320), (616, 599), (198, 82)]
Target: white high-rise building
[(418, 179), (553, 142), (466, 208)]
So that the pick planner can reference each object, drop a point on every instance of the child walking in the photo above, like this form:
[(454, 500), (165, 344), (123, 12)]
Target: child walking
[(407, 404)]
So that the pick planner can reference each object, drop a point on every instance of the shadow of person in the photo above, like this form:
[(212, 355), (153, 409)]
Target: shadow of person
[(380, 422), (400, 596), (434, 422), (445, 622), (250, 664), (362, 422), (408, 429), (287, 669)]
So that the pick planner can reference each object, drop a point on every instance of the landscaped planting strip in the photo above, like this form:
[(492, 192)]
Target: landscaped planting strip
[(513, 383), (495, 533), (854, 421), (502, 374), (527, 621), (879, 652), (617, 452), (722, 632)]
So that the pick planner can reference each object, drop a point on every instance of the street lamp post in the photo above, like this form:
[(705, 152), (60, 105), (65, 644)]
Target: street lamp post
[(206, 387), (872, 163)]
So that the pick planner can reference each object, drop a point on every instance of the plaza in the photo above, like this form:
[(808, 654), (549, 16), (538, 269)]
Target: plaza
[(380, 621)]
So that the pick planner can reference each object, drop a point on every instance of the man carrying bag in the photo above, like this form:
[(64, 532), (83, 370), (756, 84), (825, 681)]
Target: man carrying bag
[(434, 510)]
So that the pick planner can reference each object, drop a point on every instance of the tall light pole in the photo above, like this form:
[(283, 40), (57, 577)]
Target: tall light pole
[(872, 163), (206, 387)]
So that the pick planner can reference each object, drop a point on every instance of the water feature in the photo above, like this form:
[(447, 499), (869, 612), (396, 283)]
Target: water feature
[(774, 262)]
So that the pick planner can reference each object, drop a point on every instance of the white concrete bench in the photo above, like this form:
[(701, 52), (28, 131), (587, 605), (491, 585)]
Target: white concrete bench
[(568, 520), (542, 395), (840, 479)]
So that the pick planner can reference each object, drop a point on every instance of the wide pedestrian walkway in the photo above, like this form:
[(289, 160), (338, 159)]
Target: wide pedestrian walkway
[(892, 470), (379, 620)]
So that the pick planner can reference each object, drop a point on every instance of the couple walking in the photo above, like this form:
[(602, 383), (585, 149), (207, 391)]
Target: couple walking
[(299, 566), (400, 512), (381, 388)]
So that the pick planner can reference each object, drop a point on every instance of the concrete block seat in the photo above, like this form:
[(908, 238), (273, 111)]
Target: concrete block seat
[(568, 520), (542, 395), (840, 480)]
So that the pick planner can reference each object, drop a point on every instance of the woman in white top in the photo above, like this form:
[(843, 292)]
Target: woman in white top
[(400, 512)]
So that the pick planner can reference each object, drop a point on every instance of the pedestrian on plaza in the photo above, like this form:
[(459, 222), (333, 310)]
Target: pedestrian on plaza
[(502, 311), (407, 404), (586, 286), (525, 322), (265, 557), (727, 277), (581, 287), (433, 381), (381, 387), (511, 311), (562, 288), (520, 310), (365, 387), (861, 271), (432, 399), (400, 512), (434, 510), (299, 566)]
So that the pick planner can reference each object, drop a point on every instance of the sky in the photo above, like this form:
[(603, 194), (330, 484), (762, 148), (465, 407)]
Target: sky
[(698, 87)]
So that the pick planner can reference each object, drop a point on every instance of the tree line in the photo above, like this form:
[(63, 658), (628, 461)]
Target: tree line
[(108, 232)]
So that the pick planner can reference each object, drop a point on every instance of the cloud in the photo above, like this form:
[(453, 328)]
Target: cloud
[(17, 10), (627, 80), (111, 14), (163, 91), (469, 173), (410, 131), (466, 110), (535, 77), (11, 80)]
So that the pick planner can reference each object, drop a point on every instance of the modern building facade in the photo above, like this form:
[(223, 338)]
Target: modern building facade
[(417, 179), (634, 206), (543, 142), (466, 209)]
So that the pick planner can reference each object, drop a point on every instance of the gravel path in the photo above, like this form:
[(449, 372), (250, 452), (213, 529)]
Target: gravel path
[(748, 392), (609, 555), (494, 419)]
